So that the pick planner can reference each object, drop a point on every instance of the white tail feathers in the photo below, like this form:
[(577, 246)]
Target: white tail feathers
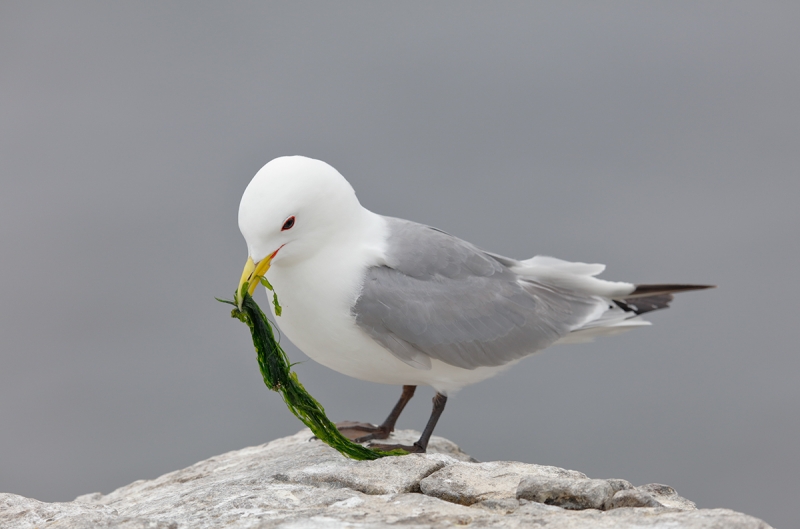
[(577, 277), (611, 317)]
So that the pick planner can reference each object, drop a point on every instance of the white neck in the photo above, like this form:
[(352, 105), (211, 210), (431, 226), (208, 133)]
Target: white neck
[(331, 278)]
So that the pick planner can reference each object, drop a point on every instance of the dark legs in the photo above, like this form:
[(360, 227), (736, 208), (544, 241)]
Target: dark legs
[(351, 429), (388, 425), (420, 446)]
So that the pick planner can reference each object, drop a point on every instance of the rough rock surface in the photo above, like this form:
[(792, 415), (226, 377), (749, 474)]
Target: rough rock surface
[(298, 482), (573, 494)]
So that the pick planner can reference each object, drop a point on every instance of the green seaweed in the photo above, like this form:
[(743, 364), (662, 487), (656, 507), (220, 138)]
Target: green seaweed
[(278, 308), (278, 376)]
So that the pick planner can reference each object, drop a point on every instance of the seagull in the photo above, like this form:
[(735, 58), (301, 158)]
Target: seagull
[(391, 301)]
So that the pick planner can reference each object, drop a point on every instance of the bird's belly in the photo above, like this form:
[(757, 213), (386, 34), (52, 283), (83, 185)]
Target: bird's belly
[(333, 339)]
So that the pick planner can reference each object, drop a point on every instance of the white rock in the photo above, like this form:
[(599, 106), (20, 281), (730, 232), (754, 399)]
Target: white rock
[(667, 496), (574, 494), (297, 482), (468, 483), (383, 476)]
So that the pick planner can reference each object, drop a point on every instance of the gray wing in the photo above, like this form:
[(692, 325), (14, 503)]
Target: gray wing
[(441, 297)]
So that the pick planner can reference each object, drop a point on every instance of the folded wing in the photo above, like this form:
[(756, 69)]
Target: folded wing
[(441, 297)]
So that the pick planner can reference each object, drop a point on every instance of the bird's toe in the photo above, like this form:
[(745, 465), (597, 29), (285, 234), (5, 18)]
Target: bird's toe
[(412, 449), (355, 430)]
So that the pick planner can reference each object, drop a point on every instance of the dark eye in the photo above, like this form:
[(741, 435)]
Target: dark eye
[(288, 223)]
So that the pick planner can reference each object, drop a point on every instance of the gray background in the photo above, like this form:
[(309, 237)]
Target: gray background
[(660, 138)]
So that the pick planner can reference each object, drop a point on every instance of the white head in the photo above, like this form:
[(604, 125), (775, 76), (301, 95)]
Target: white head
[(292, 208)]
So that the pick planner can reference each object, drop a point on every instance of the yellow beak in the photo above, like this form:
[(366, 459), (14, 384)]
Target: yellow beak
[(251, 277)]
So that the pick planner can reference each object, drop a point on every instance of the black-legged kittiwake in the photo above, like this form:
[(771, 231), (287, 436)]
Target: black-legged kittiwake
[(392, 301)]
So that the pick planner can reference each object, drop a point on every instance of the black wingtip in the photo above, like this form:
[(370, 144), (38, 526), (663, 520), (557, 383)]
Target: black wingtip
[(645, 304), (652, 290)]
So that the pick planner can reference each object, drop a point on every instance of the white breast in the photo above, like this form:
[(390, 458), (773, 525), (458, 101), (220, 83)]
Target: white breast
[(317, 295)]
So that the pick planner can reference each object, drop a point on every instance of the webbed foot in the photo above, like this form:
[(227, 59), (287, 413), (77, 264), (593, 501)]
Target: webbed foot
[(412, 449), (355, 431)]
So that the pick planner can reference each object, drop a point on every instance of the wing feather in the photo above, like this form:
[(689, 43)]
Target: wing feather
[(441, 297)]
